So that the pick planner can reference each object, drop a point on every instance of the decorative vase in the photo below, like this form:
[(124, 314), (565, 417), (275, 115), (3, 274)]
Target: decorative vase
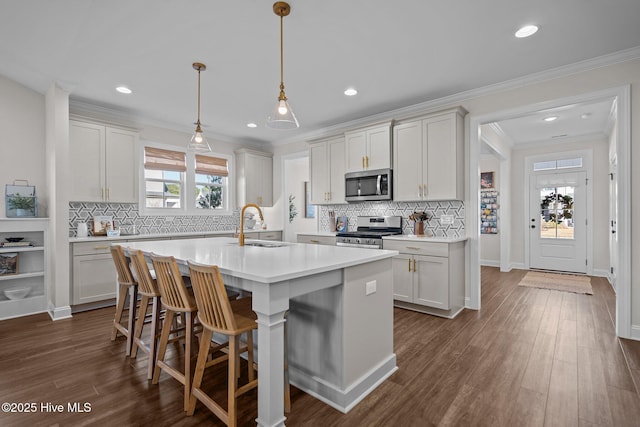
[(418, 228)]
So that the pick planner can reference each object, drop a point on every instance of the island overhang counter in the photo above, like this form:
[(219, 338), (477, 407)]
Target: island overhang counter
[(340, 314)]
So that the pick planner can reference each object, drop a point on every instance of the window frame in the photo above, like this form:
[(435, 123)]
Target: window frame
[(188, 183)]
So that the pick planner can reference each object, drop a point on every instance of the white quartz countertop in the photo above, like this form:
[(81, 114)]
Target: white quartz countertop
[(165, 235), (263, 264), (414, 238)]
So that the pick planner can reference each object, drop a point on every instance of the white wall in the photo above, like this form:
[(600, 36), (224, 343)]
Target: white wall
[(490, 243), (296, 173), (22, 137)]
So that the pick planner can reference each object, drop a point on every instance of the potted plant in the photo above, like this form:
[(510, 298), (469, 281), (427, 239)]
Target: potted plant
[(22, 205)]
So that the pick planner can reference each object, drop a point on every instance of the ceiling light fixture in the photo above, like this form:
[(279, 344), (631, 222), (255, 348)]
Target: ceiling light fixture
[(351, 92), (550, 118), (198, 141), (124, 89), (526, 31), (282, 116), (252, 125)]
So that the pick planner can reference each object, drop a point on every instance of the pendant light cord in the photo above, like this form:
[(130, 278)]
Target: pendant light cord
[(281, 51), (198, 97)]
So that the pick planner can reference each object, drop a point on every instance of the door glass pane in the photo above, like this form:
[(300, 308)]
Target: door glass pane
[(556, 212)]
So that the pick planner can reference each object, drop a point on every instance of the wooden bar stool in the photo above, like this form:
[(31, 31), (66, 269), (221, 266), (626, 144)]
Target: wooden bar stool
[(218, 314), (127, 289), (176, 299), (150, 296)]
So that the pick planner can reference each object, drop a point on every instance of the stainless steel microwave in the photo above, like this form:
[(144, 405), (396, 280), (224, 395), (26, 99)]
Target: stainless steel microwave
[(368, 185)]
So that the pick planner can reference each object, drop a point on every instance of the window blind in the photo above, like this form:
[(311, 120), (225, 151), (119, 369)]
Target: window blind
[(208, 165), (166, 160)]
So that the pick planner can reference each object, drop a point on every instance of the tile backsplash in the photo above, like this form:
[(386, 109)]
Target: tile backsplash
[(126, 214), (433, 227)]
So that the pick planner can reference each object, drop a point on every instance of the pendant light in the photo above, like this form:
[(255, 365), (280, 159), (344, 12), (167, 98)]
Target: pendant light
[(198, 141), (282, 116)]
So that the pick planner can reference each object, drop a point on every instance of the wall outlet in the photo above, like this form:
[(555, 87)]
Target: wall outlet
[(371, 287), (446, 219)]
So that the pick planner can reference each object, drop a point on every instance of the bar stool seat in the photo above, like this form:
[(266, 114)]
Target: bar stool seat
[(127, 291)]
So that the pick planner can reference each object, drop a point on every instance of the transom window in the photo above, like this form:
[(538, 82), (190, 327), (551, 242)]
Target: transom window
[(175, 182), (557, 164)]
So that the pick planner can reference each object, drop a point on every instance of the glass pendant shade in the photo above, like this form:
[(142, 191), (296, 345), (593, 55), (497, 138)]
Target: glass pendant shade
[(282, 116), (198, 142)]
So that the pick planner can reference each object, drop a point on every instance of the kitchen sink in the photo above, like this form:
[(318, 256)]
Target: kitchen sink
[(263, 243)]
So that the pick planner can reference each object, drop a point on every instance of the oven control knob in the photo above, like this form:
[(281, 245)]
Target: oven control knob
[(357, 241)]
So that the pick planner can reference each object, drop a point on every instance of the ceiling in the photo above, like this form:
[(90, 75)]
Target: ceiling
[(396, 54)]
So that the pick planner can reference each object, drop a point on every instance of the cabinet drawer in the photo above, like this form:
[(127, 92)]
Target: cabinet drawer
[(270, 235), (317, 240), (93, 248), (418, 248)]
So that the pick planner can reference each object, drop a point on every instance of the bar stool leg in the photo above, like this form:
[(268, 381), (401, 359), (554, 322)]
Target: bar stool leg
[(133, 302), (164, 338)]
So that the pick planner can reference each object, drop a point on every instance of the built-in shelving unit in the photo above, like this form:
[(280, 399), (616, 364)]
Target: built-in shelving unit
[(31, 267)]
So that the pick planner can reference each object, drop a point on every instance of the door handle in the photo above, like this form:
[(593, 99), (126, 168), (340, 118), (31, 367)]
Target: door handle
[(533, 226), (613, 231)]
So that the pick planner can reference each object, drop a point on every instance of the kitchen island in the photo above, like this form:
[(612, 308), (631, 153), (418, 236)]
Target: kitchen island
[(340, 321)]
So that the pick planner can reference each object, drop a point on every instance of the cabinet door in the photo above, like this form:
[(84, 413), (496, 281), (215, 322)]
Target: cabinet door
[(355, 151), (431, 281), (94, 278), (318, 173), (259, 179), (336, 171), (121, 166), (441, 173), (402, 277), (407, 161), (378, 148), (86, 161)]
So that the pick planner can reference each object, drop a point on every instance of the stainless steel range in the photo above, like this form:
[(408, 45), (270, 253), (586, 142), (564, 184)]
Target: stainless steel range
[(370, 231)]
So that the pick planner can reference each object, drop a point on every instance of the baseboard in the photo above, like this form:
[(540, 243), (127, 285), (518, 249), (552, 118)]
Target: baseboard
[(489, 263), (59, 313), (517, 266), (597, 272), (343, 399), (635, 332)]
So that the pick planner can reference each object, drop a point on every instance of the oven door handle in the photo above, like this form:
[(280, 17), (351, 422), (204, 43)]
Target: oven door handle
[(357, 245)]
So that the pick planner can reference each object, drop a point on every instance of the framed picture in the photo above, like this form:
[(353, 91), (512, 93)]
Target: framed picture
[(8, 263), (101, 224), (309, 209), (486, 179)]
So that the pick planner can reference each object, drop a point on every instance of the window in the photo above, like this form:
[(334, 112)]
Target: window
[(557, 164), (163, 178), (175, 182), (211, 180)]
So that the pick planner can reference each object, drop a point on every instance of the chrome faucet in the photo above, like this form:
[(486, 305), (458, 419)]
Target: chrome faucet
[(241, 235)]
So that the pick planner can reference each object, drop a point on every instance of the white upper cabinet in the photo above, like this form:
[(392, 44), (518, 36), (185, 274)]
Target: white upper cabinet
[(103, 163), (428, 157), (254, 177), (368, 148), (326, 171)]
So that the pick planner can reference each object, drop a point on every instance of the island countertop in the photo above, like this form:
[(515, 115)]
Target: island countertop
[(263, 264)]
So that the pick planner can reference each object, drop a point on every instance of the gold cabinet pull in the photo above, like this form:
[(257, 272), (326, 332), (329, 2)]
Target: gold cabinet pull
[(367, 157), (412, 248), (100, 247), (314, 241), (102, 193), (362, 162), (409, 264), (108, 194), (414, 265)]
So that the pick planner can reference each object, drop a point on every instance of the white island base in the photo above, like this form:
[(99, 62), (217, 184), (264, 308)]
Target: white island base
[(340, 313)]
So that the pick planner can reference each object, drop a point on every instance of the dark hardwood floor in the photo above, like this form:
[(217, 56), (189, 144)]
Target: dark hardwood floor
[(530, 357)]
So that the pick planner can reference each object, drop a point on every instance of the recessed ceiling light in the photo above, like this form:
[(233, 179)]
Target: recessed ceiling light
[(550, 118), (124, 89), (351, 92), (252, 125), (585, 115), (526, 31)]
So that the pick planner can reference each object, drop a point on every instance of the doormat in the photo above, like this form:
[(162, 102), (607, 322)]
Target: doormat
[(557, 282)]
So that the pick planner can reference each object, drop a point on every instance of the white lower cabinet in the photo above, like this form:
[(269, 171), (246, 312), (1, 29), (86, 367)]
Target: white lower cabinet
[(428, 276)]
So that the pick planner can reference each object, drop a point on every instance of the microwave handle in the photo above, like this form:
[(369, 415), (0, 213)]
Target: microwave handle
[(378, 189)]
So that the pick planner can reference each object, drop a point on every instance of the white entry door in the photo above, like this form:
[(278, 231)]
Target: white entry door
[(558, 222)]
